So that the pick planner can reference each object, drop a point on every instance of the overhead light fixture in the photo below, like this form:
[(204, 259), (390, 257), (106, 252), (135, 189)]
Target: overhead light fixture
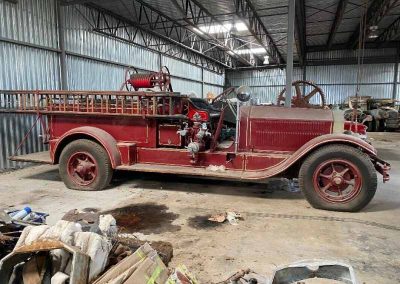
[(241, 27), (231, 53), (258, 50), (373, 32), (215, 29), (197, 31), (266, 60)]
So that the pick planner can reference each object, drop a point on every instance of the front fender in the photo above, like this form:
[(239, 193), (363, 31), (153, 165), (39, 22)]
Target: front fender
[(310, 147), (99, 135), (338, 139)]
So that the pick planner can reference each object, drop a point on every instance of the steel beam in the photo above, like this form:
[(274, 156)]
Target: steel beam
[(196, 15), (396, 74), (368, 45), (375, 13), (336, 23), (174, 42), (301, 31), (392, 32), (246, 10), (290, 45)]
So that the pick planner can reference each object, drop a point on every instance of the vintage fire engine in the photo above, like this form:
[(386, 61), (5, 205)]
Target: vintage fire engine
[(92, 133)]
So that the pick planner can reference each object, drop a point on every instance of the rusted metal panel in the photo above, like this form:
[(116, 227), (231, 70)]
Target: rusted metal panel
[(298, 114)]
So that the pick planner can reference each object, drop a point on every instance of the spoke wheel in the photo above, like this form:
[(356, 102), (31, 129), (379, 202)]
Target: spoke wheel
[(82, 168), (337, 181), (338, 178), (303, 100), (85, 165)]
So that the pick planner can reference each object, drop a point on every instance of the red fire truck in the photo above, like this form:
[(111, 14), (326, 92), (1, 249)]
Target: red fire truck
[(93, 133)]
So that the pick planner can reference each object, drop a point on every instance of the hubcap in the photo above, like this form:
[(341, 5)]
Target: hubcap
[(337, 181), (82, 168)]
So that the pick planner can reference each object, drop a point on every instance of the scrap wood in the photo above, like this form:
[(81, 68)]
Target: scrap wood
[(236, 277), (181, 275), (143, 266), (163, 249)]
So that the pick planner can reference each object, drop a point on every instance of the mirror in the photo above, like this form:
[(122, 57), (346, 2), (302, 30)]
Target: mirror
[(243, 93)]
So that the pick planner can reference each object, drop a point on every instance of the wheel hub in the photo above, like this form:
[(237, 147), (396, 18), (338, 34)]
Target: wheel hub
[(82, 168), (337, 181)]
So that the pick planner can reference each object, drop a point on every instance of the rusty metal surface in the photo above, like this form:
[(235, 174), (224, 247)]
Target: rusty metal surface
[(104, 138), (39, 157), (298, 114), (106, 103), (260, 173)]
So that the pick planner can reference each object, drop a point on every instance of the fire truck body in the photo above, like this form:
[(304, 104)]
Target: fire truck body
[(91, 134)]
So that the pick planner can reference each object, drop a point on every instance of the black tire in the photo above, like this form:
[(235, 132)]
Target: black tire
[(98, 153), (345, 153)]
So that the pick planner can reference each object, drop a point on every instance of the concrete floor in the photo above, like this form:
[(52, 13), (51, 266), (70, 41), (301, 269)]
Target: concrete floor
[(279, 227)]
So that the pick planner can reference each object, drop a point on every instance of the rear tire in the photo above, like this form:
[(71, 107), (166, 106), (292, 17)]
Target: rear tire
[(85, 165), (338, 178)]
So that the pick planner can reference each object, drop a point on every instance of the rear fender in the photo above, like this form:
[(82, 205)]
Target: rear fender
[(100, 136)]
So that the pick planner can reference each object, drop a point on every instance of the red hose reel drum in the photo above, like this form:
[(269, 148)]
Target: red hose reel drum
[(138, 81)]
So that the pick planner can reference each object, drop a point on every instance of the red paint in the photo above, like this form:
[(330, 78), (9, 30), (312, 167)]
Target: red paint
[(128, 153), (135, 128), (82, 168), (337, 181), (167, 135)]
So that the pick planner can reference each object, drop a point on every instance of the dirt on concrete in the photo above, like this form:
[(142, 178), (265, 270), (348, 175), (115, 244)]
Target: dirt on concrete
[(279, 227), (144, 218)]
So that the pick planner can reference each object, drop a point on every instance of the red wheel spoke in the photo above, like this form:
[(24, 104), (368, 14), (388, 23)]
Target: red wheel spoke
[(326, 187), (82, 168), (326, 176), (337, 181), (350, 182), (344, 171)]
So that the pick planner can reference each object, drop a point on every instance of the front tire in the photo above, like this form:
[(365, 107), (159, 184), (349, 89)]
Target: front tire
[(338, 178), (85, 165)]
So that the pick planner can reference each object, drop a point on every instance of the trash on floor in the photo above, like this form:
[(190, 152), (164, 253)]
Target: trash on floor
[(56, 254), (321, 269), (12, 222), (23, 216), (181, 275), (143, 266), (231, 216)]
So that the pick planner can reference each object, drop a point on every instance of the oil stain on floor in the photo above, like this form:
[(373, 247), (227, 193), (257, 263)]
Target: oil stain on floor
[(146, 218), (202, 222)]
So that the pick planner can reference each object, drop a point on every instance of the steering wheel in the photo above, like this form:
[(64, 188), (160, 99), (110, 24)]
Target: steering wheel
[(303, 100), (223, 95)]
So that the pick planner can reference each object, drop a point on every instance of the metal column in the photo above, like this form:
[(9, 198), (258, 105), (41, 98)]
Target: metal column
[(396, 74), (289, 58), (61, 46)]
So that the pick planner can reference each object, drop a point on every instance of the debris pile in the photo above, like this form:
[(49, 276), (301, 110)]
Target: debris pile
[(232, 217)]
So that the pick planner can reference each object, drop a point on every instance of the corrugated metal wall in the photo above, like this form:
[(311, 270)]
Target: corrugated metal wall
[(337, 81), (29, 59)]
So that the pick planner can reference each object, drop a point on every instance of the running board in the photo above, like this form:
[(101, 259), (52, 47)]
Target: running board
[(39, 157), (181, 170)]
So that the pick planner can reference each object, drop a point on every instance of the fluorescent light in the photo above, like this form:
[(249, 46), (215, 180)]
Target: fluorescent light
[(240, 27), (215, 29), (266, 60), (196, 30), (231, 53), (257, 50)]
